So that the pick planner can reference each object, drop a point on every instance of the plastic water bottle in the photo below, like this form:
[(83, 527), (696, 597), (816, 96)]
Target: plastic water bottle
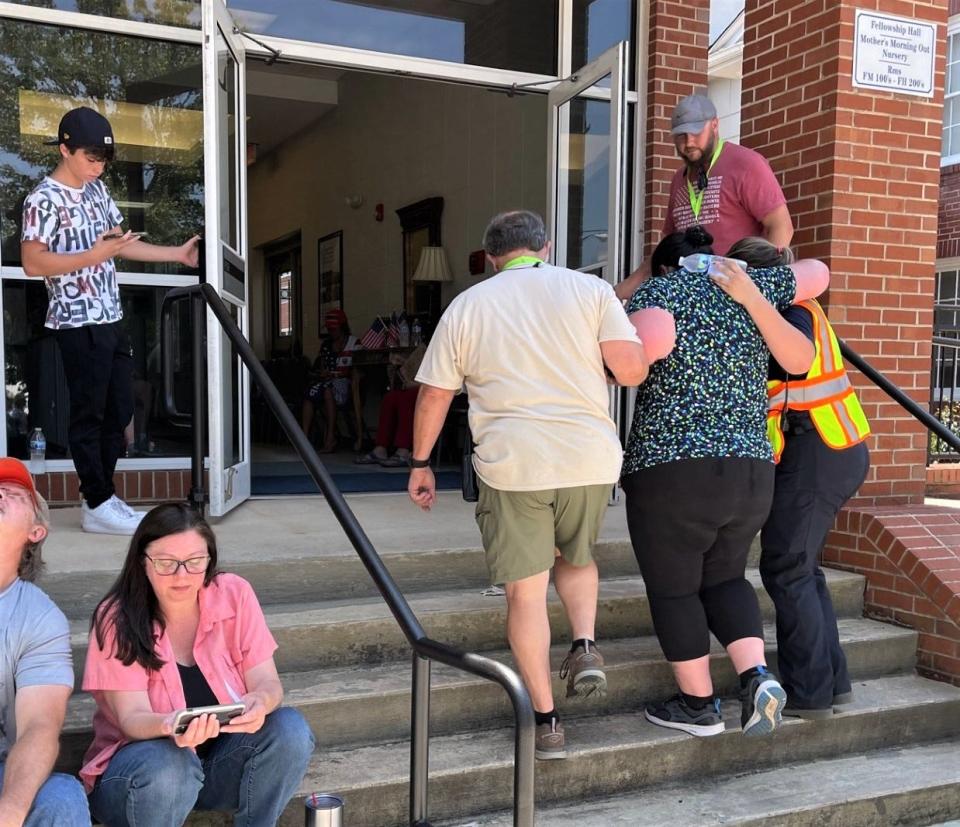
[(404, 332), (38, 452), (703, 262), (416, 334)]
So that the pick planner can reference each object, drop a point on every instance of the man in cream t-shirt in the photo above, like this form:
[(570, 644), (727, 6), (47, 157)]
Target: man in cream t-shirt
[(530, 344)]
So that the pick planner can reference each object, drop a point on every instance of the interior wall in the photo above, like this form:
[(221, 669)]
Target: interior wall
[(394, 141)]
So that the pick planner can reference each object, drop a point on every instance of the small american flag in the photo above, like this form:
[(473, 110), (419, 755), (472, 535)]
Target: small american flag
[(393, 332), (375, 337)]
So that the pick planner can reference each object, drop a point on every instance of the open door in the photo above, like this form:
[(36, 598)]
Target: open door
[(586, 172), (225, 246)]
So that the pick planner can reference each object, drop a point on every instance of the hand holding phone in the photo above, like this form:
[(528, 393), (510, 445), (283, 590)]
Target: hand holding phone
[(224, 714)]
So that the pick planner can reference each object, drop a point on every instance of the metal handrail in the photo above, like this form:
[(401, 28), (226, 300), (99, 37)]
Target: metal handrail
[(424, 648), (898, 396)]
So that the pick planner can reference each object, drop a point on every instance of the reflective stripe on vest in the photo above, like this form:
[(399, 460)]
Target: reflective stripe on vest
[(825, 393)]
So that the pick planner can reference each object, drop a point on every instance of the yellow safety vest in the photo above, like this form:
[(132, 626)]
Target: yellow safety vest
[(825, 393)]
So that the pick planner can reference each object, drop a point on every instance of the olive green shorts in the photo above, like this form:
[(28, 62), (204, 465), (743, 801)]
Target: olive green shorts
[(521, 529)]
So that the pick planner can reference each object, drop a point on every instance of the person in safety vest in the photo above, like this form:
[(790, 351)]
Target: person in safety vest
[(698, 474), (817, 430)]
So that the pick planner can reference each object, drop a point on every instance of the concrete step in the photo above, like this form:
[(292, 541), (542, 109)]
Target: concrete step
[(341, 576), (338, 702), (472, 773), (915, 785), (361, 630)]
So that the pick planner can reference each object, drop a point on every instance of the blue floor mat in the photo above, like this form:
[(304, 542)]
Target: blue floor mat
[(280, 478)]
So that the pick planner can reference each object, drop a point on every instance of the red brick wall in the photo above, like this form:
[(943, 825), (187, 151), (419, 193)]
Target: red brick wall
[(948, 215), (911, 560), (861, 172), (63, 487), (677, 67)]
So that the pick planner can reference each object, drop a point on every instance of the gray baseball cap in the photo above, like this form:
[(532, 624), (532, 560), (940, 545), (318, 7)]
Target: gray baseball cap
[(691, 115)]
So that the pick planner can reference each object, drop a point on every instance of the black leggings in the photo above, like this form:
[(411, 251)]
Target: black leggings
[(691, 525)]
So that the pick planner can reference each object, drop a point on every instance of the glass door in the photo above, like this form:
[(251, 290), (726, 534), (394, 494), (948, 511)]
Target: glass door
[(225, 248), (586, 179), (586, 166)]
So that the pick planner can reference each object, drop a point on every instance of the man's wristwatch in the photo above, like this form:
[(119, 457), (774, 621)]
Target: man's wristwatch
[(419, 463)]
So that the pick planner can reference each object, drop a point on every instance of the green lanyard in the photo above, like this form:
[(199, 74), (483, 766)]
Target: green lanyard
[(521, 261), (696, 199)]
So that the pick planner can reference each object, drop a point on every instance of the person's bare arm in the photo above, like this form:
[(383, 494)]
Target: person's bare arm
[(39, 711), (428, 418), (187, 254), (39, 261), (138, 721), (778, 226), (626, 360), (626, 288), (793, 351)]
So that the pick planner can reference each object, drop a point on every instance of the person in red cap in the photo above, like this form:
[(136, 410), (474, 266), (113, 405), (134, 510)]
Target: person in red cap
[(333, 385), (71, 235), (36, 671)]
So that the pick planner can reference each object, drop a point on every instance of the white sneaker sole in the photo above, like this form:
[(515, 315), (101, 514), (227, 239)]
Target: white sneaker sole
[(588, 682), (690, 729), (768, 702), (546, 755), (92, 527)]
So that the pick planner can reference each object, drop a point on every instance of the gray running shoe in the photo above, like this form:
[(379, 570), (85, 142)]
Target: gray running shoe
[(550, 741), (761, 704), (583, 670), (674, 713)]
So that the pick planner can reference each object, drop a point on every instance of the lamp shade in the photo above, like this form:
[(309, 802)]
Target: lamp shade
[(433, 265)]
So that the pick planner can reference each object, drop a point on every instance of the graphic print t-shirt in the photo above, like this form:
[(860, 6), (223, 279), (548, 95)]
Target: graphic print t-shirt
[(741, 191), (69, 220)]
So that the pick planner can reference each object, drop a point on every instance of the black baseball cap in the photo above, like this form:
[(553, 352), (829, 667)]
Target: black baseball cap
[(85, 128)]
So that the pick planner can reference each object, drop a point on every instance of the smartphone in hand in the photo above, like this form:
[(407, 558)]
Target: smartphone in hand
[(224, 712), (137, 234)]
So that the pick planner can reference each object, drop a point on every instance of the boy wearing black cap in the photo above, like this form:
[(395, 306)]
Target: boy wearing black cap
[(71, 235)]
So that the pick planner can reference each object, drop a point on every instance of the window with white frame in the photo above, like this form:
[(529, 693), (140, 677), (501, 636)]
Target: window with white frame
[(950, 154)]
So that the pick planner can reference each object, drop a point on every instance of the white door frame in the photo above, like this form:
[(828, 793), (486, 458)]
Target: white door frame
[(223, 51)]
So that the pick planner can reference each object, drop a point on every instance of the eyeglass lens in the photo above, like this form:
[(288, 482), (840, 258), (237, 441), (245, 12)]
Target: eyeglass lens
[(195, 565)]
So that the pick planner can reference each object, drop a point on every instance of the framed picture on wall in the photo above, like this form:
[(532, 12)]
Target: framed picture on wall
[(330, 267)]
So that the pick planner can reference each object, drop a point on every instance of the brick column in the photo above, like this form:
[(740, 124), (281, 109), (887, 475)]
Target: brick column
[(860, 170), (677, 67)]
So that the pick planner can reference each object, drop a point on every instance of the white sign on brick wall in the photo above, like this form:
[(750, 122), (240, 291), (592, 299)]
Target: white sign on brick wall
[(894, 54)]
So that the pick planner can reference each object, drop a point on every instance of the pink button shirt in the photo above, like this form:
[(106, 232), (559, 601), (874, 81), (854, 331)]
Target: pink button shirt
[(232, 638)]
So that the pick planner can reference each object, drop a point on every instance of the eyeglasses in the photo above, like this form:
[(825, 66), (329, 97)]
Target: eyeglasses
[(167, 567)]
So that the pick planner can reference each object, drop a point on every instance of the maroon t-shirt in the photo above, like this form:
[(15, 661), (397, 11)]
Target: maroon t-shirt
[(741, 192)]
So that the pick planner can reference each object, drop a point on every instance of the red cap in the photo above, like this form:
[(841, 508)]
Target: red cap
[(12, 470), (336, 317)]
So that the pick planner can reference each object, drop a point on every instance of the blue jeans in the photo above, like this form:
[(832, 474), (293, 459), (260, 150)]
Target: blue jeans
[(156, 783), (60, 802)]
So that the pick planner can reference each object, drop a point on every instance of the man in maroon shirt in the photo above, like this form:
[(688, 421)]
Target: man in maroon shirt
[(727, 189)]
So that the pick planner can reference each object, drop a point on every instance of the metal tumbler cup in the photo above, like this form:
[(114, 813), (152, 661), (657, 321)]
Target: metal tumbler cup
[(323, 810)]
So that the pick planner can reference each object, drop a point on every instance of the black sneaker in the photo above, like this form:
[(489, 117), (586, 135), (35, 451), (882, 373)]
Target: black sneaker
[(674, 713), (761, 704)]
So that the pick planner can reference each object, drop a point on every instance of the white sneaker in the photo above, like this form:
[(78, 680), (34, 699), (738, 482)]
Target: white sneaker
[(113, 516)]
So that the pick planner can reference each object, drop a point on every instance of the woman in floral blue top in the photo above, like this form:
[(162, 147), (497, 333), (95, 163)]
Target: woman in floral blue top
[(698, 475)]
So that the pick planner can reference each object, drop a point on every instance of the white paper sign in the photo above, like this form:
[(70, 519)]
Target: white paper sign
[(894, 53)]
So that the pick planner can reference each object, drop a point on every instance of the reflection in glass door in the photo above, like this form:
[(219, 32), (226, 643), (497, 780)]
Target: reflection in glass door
[(586, 167), (226, 254)]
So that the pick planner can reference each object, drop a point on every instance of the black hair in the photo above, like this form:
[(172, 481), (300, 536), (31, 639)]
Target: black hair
[(676, 245), (130, 607)]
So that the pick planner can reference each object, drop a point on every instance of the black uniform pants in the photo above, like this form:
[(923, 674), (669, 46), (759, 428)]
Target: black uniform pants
[(98, 363), (691, 524), (813, 481)]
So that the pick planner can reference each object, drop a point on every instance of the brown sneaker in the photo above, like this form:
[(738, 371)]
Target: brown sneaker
[(583, 669), (550, 741)]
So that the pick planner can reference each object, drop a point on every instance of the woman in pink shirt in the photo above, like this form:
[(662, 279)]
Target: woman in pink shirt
[(173, 633)]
